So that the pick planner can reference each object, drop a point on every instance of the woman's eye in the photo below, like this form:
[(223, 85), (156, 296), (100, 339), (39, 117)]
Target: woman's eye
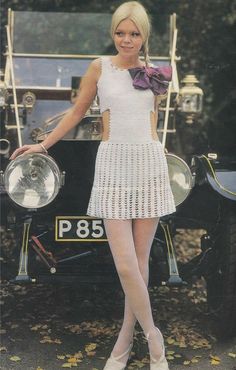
[(133, 34)]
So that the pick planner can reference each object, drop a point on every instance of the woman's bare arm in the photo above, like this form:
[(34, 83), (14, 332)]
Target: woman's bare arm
[(87, 93)]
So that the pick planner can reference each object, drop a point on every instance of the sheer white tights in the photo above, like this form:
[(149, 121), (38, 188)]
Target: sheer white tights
[(130, 242)]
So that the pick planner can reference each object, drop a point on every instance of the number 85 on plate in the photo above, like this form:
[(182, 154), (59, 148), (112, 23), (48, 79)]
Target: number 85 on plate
[(79, 228)]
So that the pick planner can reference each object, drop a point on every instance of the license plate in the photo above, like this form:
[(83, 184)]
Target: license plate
[(79, 229)]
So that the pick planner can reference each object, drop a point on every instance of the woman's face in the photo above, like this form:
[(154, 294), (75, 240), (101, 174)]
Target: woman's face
[(127, 38)]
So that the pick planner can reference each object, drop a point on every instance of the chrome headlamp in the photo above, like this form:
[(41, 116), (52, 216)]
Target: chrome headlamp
[(33, 180), (181, 178)]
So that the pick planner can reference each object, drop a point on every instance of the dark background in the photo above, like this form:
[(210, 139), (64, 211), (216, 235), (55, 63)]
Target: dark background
[(207, 46)]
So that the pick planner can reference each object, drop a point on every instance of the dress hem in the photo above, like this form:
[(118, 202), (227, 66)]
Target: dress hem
[(132, 217)]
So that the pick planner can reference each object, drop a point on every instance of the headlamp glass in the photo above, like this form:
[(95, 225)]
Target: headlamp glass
[(32, 180), (181, 179)]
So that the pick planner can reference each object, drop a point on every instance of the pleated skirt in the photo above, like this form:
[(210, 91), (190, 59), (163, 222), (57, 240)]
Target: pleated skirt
[(130, 181)]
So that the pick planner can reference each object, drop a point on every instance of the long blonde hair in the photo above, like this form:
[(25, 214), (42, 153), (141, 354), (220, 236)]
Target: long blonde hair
[(136, 13)]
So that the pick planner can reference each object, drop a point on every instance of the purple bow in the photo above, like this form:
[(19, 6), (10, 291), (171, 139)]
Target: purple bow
[(154, 78)]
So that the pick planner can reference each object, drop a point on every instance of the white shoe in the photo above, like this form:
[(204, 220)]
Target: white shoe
[(161, 363), (113, 362)]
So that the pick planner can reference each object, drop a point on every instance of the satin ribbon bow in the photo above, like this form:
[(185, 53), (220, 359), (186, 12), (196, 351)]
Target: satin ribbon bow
[(154, 78)]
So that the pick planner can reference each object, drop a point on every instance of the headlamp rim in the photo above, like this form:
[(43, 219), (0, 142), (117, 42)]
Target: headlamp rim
[(191, 177), (58, 175)]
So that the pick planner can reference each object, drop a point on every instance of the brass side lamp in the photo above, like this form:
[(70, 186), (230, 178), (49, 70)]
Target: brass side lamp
[(190, 98)]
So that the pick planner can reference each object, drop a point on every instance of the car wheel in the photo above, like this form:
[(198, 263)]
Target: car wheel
[(221, 285)]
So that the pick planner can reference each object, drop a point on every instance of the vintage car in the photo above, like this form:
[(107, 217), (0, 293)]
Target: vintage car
[(45, 197)]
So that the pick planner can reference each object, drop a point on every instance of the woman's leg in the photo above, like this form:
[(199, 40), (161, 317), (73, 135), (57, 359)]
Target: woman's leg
[(143, 234), (130, 242)]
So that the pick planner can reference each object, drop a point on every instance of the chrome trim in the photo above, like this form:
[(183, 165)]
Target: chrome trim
[(213, 173), (58, 175), (212, 155), (169, 91), (7, 74), (4, 150), (1, 177), (13, 86), (76, 56), (54, 88), (12, 127), (191, 175)]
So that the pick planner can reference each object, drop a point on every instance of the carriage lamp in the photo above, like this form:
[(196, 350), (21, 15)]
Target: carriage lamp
[(33, 180), (3, 94), (190, 98), (28, 100)]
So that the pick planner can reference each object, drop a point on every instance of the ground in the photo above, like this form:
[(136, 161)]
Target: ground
[(51, 327)]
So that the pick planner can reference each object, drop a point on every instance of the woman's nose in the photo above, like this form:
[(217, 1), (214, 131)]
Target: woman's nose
[(126, 38)]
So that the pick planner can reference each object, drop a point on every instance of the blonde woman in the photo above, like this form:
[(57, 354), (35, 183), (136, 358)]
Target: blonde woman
[(131, 187)]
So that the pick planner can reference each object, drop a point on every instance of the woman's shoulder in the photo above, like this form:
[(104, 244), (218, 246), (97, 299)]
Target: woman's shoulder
[(94, 68), (96, 64), (99, 65)]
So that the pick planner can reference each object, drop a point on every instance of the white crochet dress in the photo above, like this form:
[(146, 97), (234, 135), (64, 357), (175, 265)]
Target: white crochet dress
[(131, 175)]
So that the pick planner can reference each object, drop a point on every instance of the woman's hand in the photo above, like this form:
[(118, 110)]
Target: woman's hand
[(27, 149)]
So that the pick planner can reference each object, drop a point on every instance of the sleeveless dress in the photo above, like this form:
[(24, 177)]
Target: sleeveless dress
[(131, 175)]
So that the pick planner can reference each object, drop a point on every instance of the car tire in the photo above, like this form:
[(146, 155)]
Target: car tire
[(221, 285)]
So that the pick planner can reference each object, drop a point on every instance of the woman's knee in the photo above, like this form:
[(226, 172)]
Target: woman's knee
[(144, 268), (143, 264), (127, 269)]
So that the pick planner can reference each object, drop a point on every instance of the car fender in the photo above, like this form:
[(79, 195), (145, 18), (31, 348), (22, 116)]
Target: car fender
[(220, 174)]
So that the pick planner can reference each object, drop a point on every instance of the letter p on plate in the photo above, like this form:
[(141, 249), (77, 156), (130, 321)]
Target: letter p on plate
[(64, 227)]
